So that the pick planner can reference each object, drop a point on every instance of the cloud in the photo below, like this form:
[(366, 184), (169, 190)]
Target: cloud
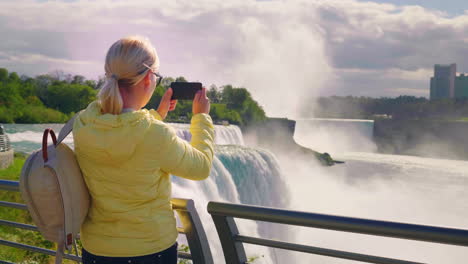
[(384, 36), (377, 83), (284, 52)]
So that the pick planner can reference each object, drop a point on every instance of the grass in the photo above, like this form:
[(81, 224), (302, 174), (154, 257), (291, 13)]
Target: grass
[(12, 173)]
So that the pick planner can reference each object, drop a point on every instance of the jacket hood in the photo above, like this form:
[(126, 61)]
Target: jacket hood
[(109, 139)]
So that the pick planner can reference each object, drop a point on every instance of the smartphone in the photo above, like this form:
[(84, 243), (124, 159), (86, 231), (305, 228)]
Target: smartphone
[(185, 90)]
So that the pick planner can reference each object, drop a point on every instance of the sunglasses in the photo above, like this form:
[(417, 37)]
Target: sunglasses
[(158, 76)]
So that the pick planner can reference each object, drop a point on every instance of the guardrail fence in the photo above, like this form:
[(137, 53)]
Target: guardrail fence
[(192, 227), (223, 215)]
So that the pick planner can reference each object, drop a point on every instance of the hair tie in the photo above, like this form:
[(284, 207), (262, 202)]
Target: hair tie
[(114, 76)]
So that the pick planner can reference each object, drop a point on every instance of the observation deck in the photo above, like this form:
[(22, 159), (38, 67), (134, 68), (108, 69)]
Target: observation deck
[(224, 215)]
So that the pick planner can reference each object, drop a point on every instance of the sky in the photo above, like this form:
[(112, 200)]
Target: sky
[(451, 7), (284, 52)]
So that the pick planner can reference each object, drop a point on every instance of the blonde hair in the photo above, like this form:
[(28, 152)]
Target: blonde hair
[(125, 67)]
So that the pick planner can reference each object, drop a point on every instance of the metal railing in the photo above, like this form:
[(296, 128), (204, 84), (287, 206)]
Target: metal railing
[(4, 143), (192, 227), (223, 215)]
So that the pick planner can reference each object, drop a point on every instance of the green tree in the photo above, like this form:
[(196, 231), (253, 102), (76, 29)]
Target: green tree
[(13, 77), (54, 97), (180, 79), (78, 79), (69, 98), (213, 94), (3, 74)]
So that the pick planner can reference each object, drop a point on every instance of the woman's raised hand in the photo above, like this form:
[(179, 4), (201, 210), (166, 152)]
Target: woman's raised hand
[(201, 103), (166, 104)]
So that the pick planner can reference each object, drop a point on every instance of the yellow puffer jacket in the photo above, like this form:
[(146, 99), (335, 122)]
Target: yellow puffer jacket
[(126, 161)]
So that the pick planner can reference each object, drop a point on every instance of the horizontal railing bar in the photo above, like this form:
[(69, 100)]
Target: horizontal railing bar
[(18, 225), (36, 249), (9, 185), (339, 223), (179, 204), (320, 251), (13, 205)]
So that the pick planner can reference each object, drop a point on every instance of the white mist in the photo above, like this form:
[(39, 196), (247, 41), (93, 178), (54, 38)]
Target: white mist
[(376, 186)]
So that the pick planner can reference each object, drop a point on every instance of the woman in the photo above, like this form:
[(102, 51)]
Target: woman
[(126, 154)]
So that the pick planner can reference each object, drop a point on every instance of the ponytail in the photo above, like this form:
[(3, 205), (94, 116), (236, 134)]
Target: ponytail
[(110, 97)]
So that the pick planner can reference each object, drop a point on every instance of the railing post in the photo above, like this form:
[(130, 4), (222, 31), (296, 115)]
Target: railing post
[(194, 231), (233, 250)]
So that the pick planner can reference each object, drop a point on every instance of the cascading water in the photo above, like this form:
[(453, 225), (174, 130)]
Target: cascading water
[(239, 175), (224, 135)]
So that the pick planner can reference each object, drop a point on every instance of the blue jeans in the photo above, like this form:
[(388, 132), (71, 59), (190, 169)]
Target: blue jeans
[(168, 256)]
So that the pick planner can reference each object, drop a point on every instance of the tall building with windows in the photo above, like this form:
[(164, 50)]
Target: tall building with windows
[(443, 82), (446, 83)]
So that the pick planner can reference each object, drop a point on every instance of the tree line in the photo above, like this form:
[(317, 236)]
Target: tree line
[(402, 107), (56, 97), (228, 103)]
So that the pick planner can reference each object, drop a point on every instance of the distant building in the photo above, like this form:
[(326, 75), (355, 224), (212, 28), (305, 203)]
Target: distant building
[(446, 83), (443, 82), (461, 86)]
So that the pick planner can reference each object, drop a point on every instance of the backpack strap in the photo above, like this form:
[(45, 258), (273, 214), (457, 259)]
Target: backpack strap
[(66, 129)]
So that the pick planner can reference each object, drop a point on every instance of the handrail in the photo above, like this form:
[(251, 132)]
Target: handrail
[(192, 227), (9, 185), (442, 235), (223, 215), (193, 230)]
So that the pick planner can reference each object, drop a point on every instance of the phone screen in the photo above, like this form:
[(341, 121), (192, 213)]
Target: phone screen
[(185, 90)]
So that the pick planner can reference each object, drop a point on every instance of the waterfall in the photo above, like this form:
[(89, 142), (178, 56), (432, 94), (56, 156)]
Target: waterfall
[(224, 135), (239, 175), (256, 174)]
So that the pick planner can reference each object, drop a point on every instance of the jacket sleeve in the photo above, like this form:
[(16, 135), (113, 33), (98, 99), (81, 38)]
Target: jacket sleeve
[(191, 161)]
